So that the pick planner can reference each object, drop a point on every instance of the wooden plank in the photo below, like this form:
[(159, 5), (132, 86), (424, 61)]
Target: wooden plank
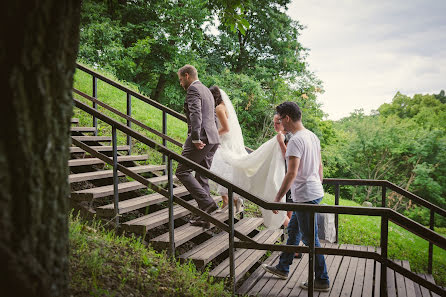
[(257, 275), (430, 278), (300, 275), (399, 281), (210, 249), (99, 148), (340, 276), (142, 224), (391, 288), (275, 286), (332, 267), (424, 292), (367, 289), (93, 138), (137, 203), (100, 174), (359, 276), (250, 257), (246, 258), (377, 284), (94, 161), (105, 191), (263, 277), (347, 288), (185, 233), (82, 129), (410, 288)]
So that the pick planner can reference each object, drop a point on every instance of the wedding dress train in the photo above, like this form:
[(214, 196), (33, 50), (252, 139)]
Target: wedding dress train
[(260, 173)]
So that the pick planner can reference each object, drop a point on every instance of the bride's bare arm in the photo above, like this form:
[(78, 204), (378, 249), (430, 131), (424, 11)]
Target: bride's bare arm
[(223, 118)]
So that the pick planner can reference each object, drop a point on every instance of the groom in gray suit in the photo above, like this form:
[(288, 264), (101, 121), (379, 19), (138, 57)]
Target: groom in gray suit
[(202, 140)]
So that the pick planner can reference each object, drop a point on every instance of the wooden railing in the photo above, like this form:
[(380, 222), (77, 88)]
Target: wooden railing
[(245, 242), (433, 209)]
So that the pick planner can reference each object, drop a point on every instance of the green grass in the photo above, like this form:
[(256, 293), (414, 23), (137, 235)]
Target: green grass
[(403, 245), (105, 264), (141, 111)]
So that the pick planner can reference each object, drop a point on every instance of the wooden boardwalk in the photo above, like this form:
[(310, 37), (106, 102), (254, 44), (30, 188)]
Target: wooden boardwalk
[(349, 277)]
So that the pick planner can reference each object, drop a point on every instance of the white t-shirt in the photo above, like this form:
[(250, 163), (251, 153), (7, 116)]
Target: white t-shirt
[(307, 186)]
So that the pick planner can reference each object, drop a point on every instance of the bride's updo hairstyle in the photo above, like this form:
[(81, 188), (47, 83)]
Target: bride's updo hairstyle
[(217, 95)]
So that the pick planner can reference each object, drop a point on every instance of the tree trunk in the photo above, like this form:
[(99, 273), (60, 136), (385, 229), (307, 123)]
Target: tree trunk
[(156, 93), (37, 53)]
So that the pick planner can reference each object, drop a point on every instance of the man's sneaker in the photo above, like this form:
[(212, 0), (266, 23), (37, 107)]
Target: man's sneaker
[(318, 286), (275, 271)]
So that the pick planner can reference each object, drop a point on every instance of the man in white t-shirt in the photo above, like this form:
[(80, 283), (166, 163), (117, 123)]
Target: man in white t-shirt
[(304, 176)]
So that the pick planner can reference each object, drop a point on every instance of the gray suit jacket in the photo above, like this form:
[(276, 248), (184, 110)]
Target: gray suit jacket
[(199, 108)]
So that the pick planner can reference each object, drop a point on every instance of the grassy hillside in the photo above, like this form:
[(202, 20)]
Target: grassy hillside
[(141, 111), (104, 264)]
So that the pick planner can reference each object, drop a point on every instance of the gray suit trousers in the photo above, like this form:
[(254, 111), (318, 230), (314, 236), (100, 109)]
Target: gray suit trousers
[(197, 186)]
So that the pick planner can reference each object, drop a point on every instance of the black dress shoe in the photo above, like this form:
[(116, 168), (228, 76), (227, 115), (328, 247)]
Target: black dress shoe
[(200, 223), (211, 209)]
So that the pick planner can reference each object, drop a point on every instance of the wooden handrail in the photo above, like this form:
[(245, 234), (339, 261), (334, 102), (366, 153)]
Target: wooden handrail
[(385, 213), (133, 93), (385, 183), (429, 235), (142, 125)]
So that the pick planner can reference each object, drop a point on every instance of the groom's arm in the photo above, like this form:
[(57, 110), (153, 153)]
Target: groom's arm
[(193, 100), (293, 166)]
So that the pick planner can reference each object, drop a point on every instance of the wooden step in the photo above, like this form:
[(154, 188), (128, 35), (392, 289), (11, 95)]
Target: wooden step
[(184, 233), (93, 138), (245, 259), (82, 129), (74, 121), (94, 161), (137, 203), (79, 177), (142, 224), (257, 275), (89, 194), (210, 249), (100, 148)]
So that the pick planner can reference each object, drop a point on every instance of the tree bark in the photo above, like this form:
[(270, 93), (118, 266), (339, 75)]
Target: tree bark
[(38, 50), (156, 93)]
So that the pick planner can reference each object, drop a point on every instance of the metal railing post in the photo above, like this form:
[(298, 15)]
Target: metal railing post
[(311, 255), (431, 246), (164, 132), (384, 243), (115, 176), (231, 240), (129, 123), (337, 194), (171, 218), (383, 196), (95, 95)]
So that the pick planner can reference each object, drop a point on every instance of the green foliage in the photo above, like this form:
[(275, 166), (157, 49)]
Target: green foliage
[(405, 143), (253, 53)]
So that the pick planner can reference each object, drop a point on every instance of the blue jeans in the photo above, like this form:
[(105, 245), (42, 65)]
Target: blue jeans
[(299, 228)]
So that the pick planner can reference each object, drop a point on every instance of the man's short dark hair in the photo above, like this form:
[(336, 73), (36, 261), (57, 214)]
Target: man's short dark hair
[(191, 70), (290, 109)]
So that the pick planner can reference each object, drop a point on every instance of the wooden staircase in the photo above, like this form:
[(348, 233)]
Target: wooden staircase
[(146, 214)]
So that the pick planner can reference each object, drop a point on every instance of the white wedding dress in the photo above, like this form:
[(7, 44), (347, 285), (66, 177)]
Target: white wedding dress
[(260, 173)]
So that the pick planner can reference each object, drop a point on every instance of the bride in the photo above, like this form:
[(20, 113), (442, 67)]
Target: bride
[(260, 173)]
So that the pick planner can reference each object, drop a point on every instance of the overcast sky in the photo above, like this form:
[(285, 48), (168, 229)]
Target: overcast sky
[(365, 51)]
